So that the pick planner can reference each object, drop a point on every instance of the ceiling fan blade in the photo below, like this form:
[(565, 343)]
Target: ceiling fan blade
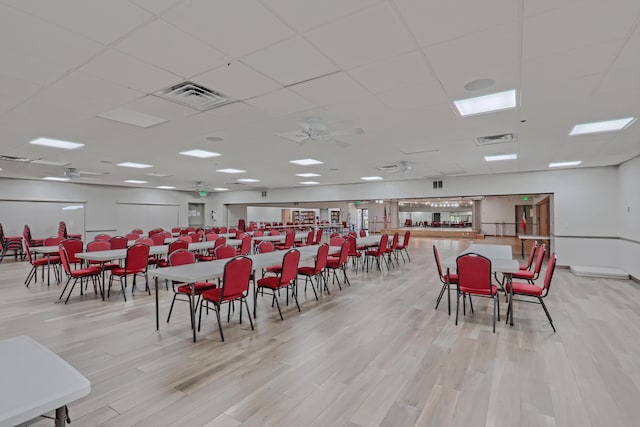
[(347, 132), (295, 136), (342, 144)]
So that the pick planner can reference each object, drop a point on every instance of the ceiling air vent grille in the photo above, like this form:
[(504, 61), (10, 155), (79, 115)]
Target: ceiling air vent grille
[(14, 159), (193, 96), (496, 139)]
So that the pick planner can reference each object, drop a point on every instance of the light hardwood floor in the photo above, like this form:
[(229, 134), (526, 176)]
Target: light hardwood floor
[(376, 353)]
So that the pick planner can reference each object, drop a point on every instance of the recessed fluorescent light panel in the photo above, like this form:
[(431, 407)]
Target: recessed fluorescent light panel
[(131, 117), (230, 170), (135, 181), (306, 162), (200, 153), (56, 143), (564, 164), (308, 175), (56, 178), (134, 165), (370, 178), (165, 187), (309, 182), (72, 207), (597, 127), (499, 157), (486, 103), (248, 180), (220, 189)]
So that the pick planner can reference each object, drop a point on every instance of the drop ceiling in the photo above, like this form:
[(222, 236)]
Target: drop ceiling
[(392, 68)]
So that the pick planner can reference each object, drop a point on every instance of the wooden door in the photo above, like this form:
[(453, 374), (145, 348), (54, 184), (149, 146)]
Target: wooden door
[(543, 213)]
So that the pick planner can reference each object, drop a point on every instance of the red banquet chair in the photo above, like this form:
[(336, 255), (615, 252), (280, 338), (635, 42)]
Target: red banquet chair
[(447, 280), (474, 278), (91, 272), (403, 246), (135, 264), (309, 272), (335, 263), (235, 287), (286, 280)]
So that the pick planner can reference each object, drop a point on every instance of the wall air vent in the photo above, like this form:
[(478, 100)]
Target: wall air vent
[(14, 159), (497, 139), (193, 96)]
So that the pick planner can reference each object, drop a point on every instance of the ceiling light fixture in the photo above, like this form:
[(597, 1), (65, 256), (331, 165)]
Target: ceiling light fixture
[(230, 170), (309, 182), (134, 165), (135, 181), (564, 164), (308, 175), (306, 162), (248, 180), (165, 187), (486, 103), (598, 127), (56, 178), (498, 157), (203, 154), (371, 178), (220, 189), (56, 143)]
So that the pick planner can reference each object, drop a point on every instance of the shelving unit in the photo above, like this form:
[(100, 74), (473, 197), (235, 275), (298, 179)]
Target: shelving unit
[(303, 217), (335, 217)]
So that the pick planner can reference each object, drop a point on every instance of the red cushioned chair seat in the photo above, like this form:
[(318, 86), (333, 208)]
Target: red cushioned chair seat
[(45, 261), (373, 253), (200, 287), (274, 269), (215, 294), (525, 288), (83, 272), (524, 275), (121, 271), (523, 267), (307, 271), (269, 282), (453, 278), (163, 263), (484, 291), (205, 258), (333, 262)]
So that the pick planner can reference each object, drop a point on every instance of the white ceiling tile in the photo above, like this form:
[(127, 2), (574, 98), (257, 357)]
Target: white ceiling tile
[(43, 39), (171, 49), (373, 34), (236, 81), (21, 65), (411, 97), (98, 20), (439, 21), (236, 28), (393, 73), (593, 22), (159, 107), (14, 91), (155, 6), (281, 102), (131, 117), (331, 89), (84, 85), (126, 71), (306, 14), (488, 54), (290, 61)]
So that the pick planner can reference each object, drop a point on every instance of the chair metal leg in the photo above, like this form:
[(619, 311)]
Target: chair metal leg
[(219, 323), (471, 305), (457, 305), (547, 313), (171, 308), (248, 314), (495, 298), (444, 287), (275, 298)]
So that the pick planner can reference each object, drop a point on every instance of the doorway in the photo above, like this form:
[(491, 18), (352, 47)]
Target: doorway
[(196, 214), (362, 219), (543, 210)]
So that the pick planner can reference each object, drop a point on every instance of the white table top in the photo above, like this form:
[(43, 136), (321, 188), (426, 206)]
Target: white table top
[(45, 249), (279, 238), (500, 255), (532, 237), (201, 271), (153, 250), (35, 381)]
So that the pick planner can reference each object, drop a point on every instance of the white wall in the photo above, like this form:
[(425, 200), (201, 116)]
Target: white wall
[(264, 214), (628, 215), (498, 215)]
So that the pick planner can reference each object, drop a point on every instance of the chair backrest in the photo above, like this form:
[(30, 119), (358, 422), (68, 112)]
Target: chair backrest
[(318, 238), (137, 231), (474, 272), (344, 253), (245, 247), (27, 249), (274, 233), (27, 232), (405, 241), (237, 273), (540, 258), (264, 247), (181, 257), (394, 241), (158, 238), (384, 242), (210, 237), (532, 254), (225, 251), (321, 258), (352, 233), (98, 245), (137, 257), (185, 238), (219, 242), (72, 247), (436, 255), (175, 230), (223, 230), (145, 241), (336, 241), (195, 237), (132, 236), (289, 266), (310, 237), (64, 259), (258, 233), (119, 242), (53, 241), (178, 244), (363, 233), (289, 239), (334, 234), (102, 237), (353, 246), (551, 266)]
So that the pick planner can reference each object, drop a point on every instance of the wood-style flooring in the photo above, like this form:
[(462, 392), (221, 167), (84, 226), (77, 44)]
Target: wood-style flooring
[(373, 354)]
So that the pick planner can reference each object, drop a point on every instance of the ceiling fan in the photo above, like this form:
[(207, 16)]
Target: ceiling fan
[(315, 129)]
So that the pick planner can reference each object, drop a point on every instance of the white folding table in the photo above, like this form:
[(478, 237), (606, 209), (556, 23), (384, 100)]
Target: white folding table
[(34, 381)]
